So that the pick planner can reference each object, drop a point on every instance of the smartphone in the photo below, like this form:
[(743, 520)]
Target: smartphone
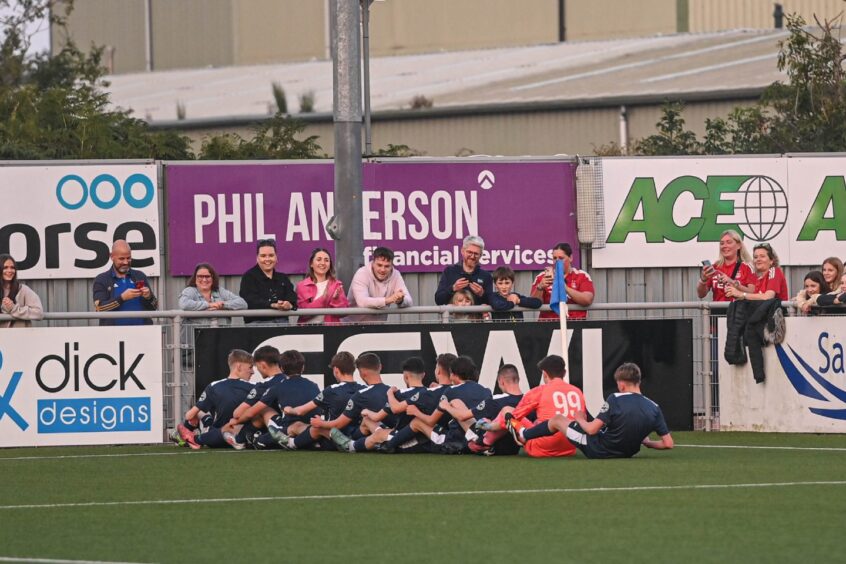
[(140, 284), (706, 263)]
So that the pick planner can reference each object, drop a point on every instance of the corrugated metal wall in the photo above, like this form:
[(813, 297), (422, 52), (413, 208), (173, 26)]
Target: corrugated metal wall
[(603, 19), (715, 15), (269, 31)]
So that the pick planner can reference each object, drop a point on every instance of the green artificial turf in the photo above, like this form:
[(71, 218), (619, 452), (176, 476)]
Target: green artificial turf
[(551, 510)]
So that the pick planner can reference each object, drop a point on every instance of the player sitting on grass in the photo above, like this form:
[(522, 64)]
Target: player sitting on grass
[(554, 397), (219, 400), (332, 401), (293, 390), (439, 426), (415, 393), (373, 396), (508, 381), (624, 422), (236, 431)]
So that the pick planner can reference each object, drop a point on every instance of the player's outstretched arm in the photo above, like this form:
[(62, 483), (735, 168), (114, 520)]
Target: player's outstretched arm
[(300, 410), (396, 406), (665, 443), (589, 427), (338, 423)]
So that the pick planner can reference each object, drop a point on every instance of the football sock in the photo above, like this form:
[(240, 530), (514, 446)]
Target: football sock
[(358, 445), (302, 440), (540, 430), (189, 426), (401, 437)]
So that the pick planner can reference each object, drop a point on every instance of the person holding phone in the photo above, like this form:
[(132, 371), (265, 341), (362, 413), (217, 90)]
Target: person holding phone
[(732, 268), (579, 285), (122, 288)]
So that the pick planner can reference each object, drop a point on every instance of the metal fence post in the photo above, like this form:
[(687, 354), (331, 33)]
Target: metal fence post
[(706, 365), (177, 369)]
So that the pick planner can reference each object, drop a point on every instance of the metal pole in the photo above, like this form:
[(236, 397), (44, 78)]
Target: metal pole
[(346, 226), (176, 385), (365, 29), (148, 35), (707, 391)]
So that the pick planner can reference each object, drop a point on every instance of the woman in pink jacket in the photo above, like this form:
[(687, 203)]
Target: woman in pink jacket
[(320, 289)]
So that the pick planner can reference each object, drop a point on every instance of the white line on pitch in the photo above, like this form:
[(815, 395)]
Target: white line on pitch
[(121, 455), (833, 449), (422, 494), (59, 561)]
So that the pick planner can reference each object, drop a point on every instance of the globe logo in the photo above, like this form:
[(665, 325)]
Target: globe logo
[(763, 208)]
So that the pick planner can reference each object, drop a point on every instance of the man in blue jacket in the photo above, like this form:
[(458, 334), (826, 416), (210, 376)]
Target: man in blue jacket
[(121, 288), (467, 274)]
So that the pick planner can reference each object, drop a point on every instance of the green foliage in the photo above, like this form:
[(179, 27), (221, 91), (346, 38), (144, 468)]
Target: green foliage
[(307, 102), (55, 108), (274, 139), (398, 151), (280, 98), (805, 114)]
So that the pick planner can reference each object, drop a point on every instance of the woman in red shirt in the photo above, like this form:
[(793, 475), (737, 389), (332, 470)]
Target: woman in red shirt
[(732, 268), (770, 282)]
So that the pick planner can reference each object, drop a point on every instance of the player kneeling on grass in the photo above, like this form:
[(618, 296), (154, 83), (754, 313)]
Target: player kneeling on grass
[(293, 390), (508, 380), (238, 429), (554, 397), (439, 427), (332, 401), (624, 422), (219, 400), (415, 393), (373, 396)]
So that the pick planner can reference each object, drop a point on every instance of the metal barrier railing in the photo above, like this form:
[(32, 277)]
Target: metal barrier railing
[(174, 343)]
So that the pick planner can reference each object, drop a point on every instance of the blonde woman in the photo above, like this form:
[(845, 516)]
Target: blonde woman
[(732, 268)]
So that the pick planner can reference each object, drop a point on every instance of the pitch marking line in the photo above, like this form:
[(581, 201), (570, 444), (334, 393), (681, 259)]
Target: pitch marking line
[(832, 449), (190, 453), (421, 494), (58, 561)]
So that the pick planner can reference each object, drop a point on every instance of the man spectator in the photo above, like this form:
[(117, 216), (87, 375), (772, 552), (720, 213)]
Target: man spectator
[(123, 289), (262, 287), (580, 290), (467, 274), (377, 286)]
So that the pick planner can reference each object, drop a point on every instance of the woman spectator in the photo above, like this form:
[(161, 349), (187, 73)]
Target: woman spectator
[(263, 287), (837, 297), (814, 286), (832, 271), (204, 292), (732, 268), (770, 282), (19, 300), (320, 289)]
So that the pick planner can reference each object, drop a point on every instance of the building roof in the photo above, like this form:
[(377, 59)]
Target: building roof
[(582, 70)]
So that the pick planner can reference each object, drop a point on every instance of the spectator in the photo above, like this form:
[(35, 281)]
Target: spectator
[(262, 287), (733, 267), (121, 288), (377, 286), (836, 297), (204, 292), (580, 290), (814, 286), (832, 270), (770, 282), (503, 278), (469, 275), (463, 298), (18, 300), (320, 288)]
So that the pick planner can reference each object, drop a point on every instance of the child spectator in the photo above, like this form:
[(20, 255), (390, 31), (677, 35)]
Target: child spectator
[(463, 298), (503, 278)]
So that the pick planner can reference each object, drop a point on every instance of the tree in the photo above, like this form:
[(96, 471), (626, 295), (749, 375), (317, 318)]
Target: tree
[(805, 114), (274, 139), (56, 108)]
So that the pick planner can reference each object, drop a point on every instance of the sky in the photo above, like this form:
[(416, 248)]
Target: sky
[(41, 37)]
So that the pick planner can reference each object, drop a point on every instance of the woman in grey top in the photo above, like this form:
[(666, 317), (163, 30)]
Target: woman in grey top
[(204, 292), (18, 300)]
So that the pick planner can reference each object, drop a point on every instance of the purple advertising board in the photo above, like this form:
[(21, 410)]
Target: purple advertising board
[(422, 211)]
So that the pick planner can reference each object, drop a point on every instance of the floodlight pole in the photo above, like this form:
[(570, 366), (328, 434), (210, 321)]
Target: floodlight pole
[(346, 225)]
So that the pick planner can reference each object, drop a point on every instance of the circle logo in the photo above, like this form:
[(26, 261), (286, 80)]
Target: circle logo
[(763, 208)]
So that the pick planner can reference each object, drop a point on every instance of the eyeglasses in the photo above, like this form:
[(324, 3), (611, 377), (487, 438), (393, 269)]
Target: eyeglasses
[(762, 246), (265, 243), (203, 277), (472, 253)]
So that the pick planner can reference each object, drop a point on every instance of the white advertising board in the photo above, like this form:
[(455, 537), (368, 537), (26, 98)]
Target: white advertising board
[(80, 386), (60, 221), (671, 211), (805, 388)]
